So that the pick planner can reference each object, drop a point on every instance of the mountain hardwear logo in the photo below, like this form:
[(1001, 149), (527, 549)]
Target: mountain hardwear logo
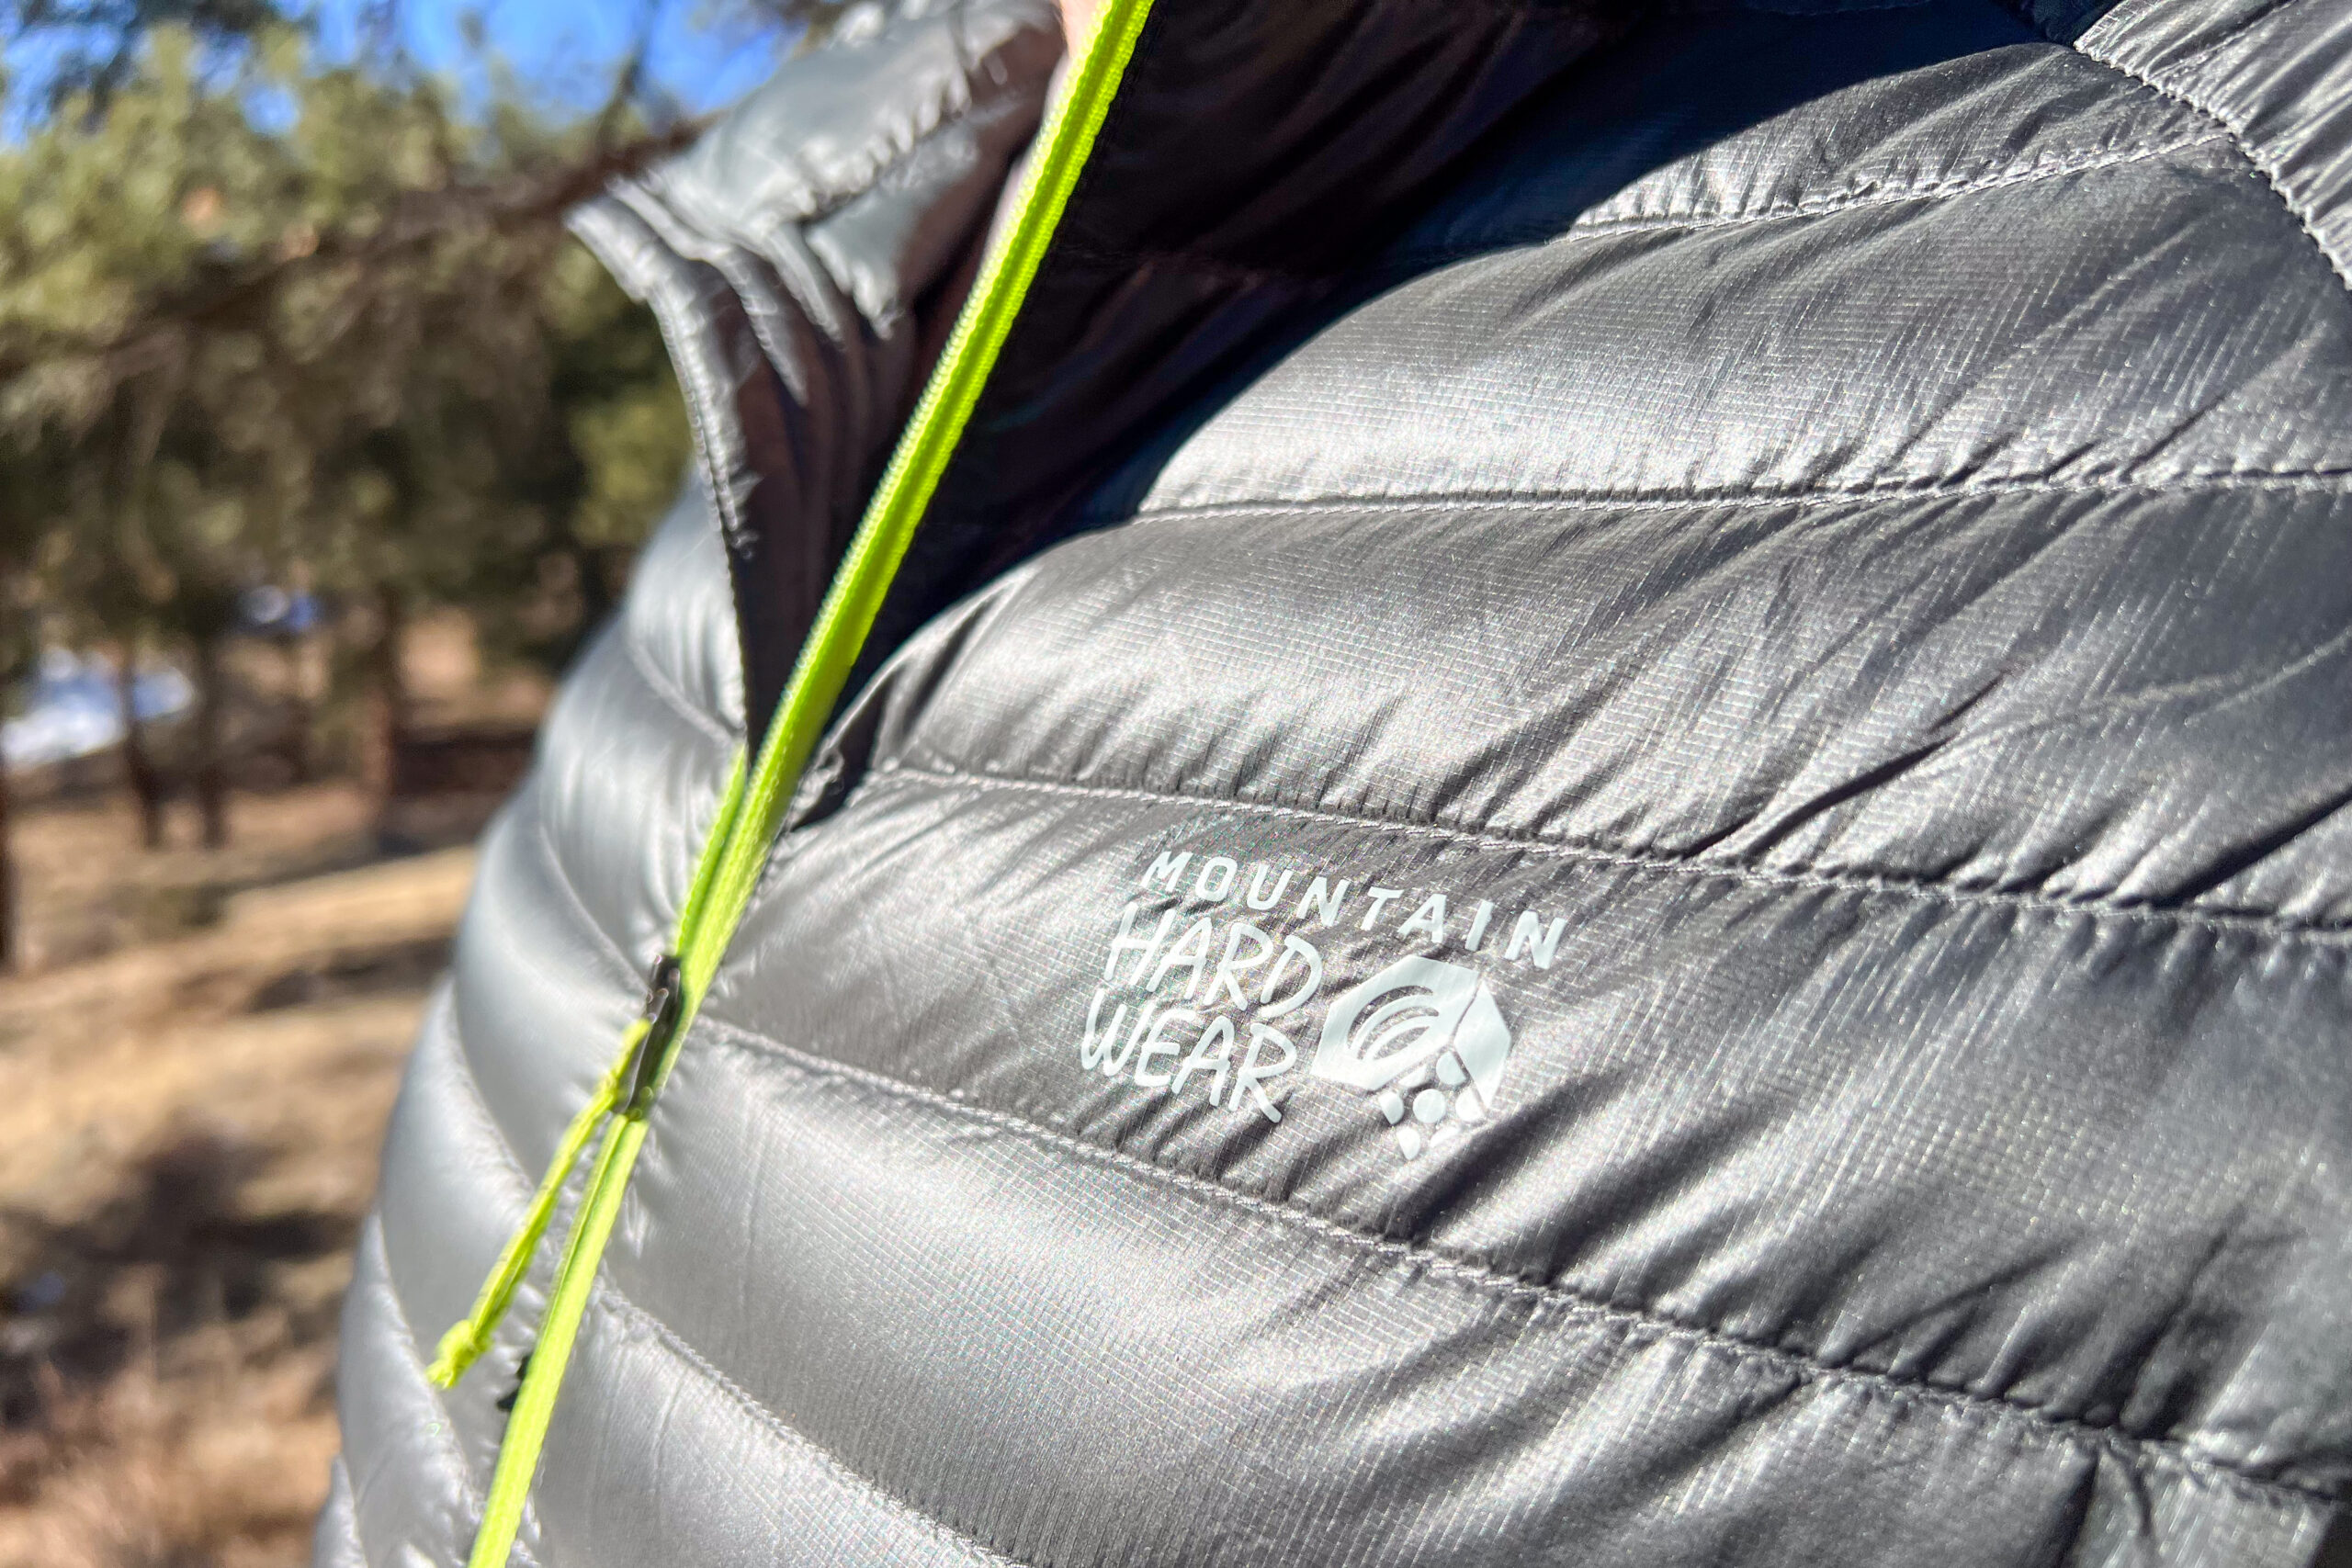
[(1418, 1019), (1212, 978)]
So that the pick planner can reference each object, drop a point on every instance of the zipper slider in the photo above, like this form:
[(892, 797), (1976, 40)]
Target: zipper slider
[(644, 1050), (665, 1003)]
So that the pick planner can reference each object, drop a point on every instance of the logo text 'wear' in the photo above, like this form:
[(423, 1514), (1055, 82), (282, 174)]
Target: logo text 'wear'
[(1211, 996)]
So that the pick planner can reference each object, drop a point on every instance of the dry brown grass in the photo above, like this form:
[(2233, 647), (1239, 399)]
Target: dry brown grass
[(187, 1141)]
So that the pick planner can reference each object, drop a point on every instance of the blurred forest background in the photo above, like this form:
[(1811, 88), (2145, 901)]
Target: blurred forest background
[(322, 448)]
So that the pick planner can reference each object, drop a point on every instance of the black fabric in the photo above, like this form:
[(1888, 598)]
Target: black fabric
[(1255, 155)]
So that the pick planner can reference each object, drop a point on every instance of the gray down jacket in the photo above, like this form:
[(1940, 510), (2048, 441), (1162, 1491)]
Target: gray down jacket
[(1605, 820)]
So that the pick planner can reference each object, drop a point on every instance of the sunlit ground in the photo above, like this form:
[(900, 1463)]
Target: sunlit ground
[(193, 1085)]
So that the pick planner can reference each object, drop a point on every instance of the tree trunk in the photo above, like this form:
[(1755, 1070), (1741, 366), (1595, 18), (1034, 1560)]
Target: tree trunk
[(138, 762), (388, 699), (211, 739), (9, 945), (596, 599)]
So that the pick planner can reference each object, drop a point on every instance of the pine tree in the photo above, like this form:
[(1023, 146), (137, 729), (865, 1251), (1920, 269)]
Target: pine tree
[(289, 319)]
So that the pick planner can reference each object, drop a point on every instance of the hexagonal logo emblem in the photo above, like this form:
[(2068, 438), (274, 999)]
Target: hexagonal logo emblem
[(1425, 1039)]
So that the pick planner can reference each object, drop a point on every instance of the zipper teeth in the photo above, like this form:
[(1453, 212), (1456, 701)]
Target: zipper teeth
[(908, 483), (736, 852), (467, 1339)]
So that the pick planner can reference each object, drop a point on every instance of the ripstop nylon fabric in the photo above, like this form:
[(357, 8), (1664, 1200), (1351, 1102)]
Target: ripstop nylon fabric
[(1826, 523)]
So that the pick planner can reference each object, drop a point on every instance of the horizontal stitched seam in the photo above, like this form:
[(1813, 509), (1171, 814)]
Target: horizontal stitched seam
[(658, 681), (477, 1103), (600, 939), (2271, 927), (1854, 197), (2261, 169), (2314, 481), (1484, 1278), (615, 1302), (2333, 482), (520, 1179)]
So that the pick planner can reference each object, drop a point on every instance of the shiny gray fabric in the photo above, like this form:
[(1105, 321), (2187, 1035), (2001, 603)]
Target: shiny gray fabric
[(1800, 577), (805, 260)]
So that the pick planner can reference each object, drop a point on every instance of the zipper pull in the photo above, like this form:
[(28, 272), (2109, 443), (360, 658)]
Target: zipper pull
[(644, 1048), (626, 1091), (665, 1003)]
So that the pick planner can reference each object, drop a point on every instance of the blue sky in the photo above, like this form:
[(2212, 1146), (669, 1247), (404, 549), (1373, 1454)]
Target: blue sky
[(567, 48), (565, 51)]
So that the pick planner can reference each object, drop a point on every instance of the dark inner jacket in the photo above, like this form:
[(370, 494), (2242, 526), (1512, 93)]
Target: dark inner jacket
[(1603, 821)]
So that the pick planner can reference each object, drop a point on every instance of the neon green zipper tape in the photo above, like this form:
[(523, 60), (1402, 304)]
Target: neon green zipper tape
[(736, 850), (464, 1344), (914, 473)]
